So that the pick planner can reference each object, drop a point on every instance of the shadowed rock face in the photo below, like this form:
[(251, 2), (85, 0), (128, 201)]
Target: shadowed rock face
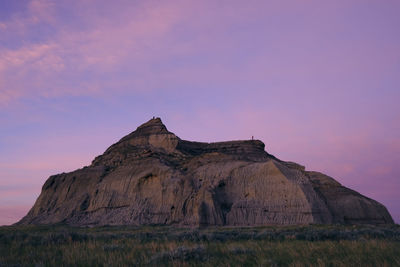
[(153, 177)]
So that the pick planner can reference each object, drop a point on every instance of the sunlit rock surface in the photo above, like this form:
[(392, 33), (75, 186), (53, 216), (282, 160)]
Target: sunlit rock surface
[(151, 176)]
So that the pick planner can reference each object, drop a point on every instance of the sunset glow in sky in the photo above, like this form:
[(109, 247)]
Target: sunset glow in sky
[(317, 81)]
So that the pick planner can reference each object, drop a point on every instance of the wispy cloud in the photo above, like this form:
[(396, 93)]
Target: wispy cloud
[(11, 214), (318, 82), (51, 67)]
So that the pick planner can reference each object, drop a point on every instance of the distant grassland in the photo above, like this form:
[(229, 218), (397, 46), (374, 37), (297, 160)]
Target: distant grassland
[(314, 245)]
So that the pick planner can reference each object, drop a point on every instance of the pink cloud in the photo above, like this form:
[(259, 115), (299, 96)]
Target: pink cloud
[(20, 23), (9, 193), (54, 151), (36, 68), (37, 55), (11, 214), (133, 38), (297, 81), (48, 162), (42, 10)]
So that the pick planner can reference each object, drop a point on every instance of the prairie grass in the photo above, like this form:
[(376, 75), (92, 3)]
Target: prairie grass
[(314, 245)]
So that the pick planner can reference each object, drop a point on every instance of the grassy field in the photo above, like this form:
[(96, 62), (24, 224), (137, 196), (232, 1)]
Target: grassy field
[(314, 245)]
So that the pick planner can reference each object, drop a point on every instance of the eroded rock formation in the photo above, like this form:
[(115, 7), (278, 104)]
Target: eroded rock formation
[(153, 177)]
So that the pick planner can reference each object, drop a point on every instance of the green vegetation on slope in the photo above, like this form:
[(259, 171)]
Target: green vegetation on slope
[(136, 246)]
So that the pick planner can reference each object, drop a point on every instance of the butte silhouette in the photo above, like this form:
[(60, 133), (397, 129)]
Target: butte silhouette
[(151, 176)]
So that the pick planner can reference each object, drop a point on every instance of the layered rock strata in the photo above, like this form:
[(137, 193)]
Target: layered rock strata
[(151, 176)]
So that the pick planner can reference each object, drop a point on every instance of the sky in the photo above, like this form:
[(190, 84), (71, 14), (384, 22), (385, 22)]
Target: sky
[(317, 81)]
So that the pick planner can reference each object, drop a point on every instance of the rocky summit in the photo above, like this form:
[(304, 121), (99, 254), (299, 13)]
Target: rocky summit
[(151, 176)]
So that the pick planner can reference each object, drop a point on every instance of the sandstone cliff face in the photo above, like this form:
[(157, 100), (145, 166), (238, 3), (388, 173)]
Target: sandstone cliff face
[(153, 177)]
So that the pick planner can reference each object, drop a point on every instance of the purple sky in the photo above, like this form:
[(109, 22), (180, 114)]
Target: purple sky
[(318, 82)]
